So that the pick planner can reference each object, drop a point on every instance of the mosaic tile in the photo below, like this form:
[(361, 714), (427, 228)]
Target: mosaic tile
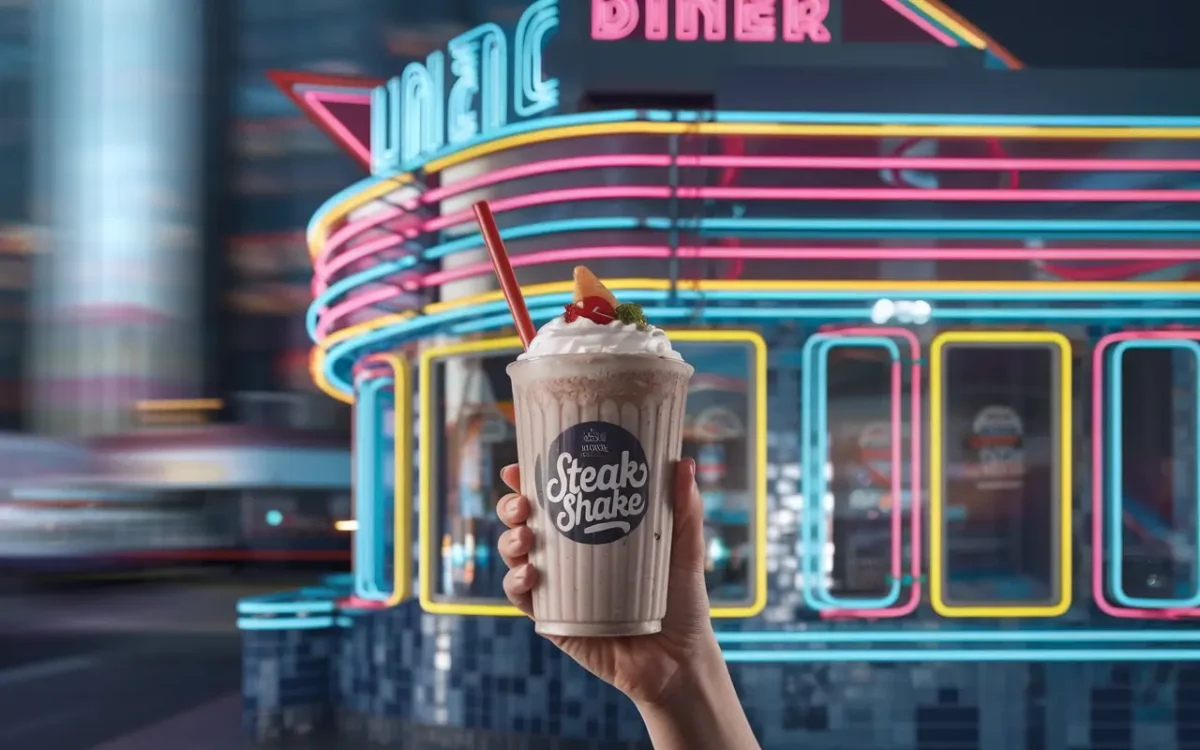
[(484, 683)]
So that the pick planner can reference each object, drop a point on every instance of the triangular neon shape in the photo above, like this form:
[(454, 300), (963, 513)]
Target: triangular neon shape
[(918, 22), (339, 105)]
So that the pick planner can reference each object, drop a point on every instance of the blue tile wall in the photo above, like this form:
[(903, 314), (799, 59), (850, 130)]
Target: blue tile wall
[(452, 682), (287, 682), (390, 675)]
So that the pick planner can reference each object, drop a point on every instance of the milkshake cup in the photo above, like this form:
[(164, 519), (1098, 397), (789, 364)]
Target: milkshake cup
[(599, 397)]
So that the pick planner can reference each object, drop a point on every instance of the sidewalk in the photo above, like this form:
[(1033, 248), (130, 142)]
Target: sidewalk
[(216, 725)]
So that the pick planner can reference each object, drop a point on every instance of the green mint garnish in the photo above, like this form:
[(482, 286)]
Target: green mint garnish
[(630, 313)]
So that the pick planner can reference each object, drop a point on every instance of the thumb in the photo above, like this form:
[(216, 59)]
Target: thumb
[(687, 547)]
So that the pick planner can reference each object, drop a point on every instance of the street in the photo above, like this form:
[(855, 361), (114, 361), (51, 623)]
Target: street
[(120, 667)]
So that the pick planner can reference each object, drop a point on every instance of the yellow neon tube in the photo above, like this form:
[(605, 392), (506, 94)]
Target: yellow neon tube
[(909, 287), (349, 332), (316, 360), (428, 504), (551, 287), (802, 129), (951, 23), (936, 473), (768, 285), (181, 404), (914, 287), (337, 213), (316, 370), (358, 200), (402, 507)]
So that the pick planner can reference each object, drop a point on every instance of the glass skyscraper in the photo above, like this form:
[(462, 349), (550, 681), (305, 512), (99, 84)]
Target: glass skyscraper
[(16, 233)]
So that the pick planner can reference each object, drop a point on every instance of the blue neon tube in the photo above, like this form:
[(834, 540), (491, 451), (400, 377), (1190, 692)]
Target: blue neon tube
[(822, 414), (816, 118), (933, 295), (368, 505), (469, 242), (390, 335), (290, 623), (814, 403), (1114, 491), (813, 656), (743, 226), (871, 118), (816, 637)]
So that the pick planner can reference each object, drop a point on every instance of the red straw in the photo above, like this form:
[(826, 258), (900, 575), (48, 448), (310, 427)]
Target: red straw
[(504, 272)]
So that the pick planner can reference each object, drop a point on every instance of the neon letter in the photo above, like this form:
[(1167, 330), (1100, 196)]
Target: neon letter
[(687, 20), (805, 19), (657, 26), (423, 108), (533, 94), (385, 128), (479, 58), (754, 21), (613, 19)]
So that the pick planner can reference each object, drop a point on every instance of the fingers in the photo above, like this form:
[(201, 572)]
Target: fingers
[(687, 548), (513, 510), (511, 475), (514, 546), (518, 586)]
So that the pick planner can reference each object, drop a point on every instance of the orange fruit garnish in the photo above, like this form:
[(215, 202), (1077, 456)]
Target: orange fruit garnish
[(587, 285)]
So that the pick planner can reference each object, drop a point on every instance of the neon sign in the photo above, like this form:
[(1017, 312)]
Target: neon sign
[(417, 113), (752, 20)]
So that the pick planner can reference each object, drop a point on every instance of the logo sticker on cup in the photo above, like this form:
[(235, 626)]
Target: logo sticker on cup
[(593, 485)]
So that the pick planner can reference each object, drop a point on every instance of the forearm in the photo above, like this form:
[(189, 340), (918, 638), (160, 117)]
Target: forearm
[(702, 711)]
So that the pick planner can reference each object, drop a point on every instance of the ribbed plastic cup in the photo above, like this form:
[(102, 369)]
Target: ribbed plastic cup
[(598, 439)]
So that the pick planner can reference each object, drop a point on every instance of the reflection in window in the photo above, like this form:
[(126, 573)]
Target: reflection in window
[(859, 473), (1000, 466), (718, 435), (478, 439), (474, 413), (1158, 474)]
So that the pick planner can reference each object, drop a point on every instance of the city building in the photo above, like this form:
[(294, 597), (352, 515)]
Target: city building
[(16, 230)]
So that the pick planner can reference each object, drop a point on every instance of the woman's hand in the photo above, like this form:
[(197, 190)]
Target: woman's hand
[(677, 677), (645, 667)]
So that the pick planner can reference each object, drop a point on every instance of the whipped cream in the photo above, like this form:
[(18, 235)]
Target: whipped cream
[(583, 336)]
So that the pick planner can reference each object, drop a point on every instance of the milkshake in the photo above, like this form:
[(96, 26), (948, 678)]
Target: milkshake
[(599, 396)]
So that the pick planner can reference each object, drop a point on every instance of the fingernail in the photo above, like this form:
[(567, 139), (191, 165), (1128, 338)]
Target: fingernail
[(689, 468), (514, 544)]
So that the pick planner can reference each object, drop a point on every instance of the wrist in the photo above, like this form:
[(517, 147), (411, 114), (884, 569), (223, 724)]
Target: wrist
[(702, 684), (700, 709), (697, 679)]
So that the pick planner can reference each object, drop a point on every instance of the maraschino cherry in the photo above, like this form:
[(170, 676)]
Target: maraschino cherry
[(596, 309)]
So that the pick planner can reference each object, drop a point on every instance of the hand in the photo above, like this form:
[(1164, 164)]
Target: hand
[(645, 668)]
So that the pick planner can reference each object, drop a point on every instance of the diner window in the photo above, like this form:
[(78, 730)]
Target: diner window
[(1151, 472), (470, 400)]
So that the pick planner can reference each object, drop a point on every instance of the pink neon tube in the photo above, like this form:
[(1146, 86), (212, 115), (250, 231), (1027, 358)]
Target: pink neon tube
[(349, 231), (1098, 480), (1105, 273), (665, 192), (914, 595), (1150, 259), (921, 23), (316, 101), (325, 266), (360, 299)]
